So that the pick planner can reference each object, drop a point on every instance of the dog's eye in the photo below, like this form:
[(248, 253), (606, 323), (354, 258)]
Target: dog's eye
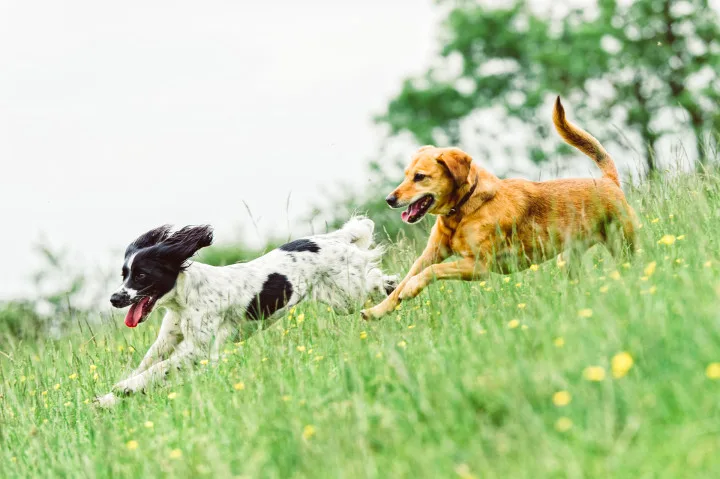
[(140, 276), (419, 177)]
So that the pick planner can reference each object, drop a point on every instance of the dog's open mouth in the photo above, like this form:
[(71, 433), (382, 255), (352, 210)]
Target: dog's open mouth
[(139, 311), (417, 209)]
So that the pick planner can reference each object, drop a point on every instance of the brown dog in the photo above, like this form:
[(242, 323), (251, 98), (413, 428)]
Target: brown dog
[(499, 225)]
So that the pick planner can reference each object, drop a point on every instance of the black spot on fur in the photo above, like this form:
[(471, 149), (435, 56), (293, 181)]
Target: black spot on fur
[(275, 294), (300, 246)]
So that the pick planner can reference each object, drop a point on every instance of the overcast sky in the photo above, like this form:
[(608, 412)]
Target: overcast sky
[(116, 117)]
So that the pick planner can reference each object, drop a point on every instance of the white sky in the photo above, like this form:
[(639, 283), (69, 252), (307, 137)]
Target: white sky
[(116, 117)]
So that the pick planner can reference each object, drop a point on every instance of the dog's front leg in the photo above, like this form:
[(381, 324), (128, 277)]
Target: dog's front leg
[(168, 337), (185, 352), (434, 253), (467, 269)]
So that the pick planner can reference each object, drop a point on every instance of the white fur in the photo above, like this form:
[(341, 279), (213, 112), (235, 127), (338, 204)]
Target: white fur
[(209, 303)]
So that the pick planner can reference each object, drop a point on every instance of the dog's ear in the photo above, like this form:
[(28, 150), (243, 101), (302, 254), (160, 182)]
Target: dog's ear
[(457, 162), (184, 243), (151, 238)]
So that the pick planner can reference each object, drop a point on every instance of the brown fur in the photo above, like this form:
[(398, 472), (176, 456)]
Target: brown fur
[(507, 224)]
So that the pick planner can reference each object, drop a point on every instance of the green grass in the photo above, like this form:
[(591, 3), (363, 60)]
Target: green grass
[(443, 388)]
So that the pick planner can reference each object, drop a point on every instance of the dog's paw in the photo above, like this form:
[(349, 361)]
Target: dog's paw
[(127, 387), (372, 313), (107, 401), (390, 282)]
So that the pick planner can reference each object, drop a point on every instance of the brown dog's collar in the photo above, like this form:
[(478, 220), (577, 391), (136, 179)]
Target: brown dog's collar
[(463, 200)]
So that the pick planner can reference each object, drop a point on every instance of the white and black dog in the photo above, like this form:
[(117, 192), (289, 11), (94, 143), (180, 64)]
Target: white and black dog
[(206, 304)]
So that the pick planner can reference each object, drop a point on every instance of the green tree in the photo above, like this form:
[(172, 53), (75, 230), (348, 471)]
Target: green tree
[(655, 62)]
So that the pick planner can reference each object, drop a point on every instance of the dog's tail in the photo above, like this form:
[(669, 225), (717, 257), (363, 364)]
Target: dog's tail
[(585, 142), (359, 230)]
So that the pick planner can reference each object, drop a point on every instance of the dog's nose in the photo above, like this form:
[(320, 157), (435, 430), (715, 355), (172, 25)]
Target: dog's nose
[(120, 300), (391, 200)]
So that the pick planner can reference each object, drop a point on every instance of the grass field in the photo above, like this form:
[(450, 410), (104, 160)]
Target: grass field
[(615, 374)]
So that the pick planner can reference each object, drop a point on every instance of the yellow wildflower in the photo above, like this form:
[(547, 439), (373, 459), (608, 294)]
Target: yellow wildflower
[(57, 386), (521, 306), (655, 220), (585, 313), (713, 371), (514, 324), (561, 398), (681, 237), (363, 334), (463, 471), (506, 279), (594, 373), (621, 364), (93, 367), (563, 424), (615, 275), (559, 342), (300, 318), (175, 454), (667, 240), (402, 344), (308, 432), (239, 386), (650, 269), (149, 424), (534, 267), (67, 404), (132, 445), (604, 288), (172, 395), (204, 362), (301, 348)]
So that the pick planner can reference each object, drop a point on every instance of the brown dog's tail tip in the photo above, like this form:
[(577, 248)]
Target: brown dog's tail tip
[(559, 109)]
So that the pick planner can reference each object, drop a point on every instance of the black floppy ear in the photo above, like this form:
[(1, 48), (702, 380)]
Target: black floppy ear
[(151, 238), (457, 162), (184, 243)]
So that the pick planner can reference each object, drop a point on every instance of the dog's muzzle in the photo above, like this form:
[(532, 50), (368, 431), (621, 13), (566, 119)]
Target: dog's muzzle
[(120, 299)]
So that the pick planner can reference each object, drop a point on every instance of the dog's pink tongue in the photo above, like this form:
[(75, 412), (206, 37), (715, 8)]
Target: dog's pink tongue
[(134, 315), (410, 212)]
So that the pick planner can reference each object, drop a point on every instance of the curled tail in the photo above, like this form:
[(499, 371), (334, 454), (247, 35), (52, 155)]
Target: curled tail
[(585, 142)]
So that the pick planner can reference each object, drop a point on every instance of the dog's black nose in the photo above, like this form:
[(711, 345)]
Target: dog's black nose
[(120, 300), (391, 200)]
